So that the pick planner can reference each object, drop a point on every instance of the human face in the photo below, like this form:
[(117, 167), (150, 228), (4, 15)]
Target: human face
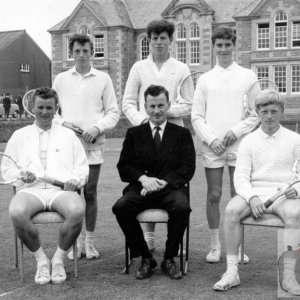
[(44, 110), (82, 54), (157, 108), (224, 49), (269, 116), (159, 44)]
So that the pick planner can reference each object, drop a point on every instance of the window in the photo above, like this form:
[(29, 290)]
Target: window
[(296, 79), (24, 68), (144, 47), (69, 53), (263, 36), (99, 46), (263, 72), (84, 30), (194, 44), (280, 78), (181, 51), (181, 32), (296, 34), (280, 30)]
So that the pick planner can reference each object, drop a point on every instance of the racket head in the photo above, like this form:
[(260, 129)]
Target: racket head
[(10, 170), (187, 86), (253, 91), (28, 103)]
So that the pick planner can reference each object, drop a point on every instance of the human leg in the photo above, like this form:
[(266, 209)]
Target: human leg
[(214, 191), (178, 208), (71, 206), (289, 211), (236, 210), (22, 207), (90, 195), (126, 210), (149, 234)]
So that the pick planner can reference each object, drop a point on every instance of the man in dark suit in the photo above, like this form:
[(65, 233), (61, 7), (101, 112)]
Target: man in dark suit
[(157, 160)]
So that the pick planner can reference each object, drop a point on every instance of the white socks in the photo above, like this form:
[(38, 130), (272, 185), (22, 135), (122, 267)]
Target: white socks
[(59, 255), (89, 237), (40, 256), (232, 263), (214, 239)]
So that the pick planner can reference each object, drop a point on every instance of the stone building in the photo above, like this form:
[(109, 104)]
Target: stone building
[(268, 36)]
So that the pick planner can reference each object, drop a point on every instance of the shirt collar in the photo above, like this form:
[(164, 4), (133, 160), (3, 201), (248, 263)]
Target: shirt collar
[(162, 126), (274, 135), (40, 130), (150, 58), (232, 67), (92, 72)]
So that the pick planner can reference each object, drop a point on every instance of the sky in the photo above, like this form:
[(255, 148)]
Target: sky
[(36, 17)]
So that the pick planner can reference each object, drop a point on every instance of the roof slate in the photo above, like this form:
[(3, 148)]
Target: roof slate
[(7, 37)]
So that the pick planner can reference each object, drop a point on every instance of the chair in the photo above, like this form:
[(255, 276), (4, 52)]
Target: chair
[(266, 220), (161, 216), (46, 217)]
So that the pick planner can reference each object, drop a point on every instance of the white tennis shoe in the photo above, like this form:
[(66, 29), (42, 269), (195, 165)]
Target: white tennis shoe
[(246, 258), (58, 274), (228, 281), (42, 275), (213, 256), (90, 251)]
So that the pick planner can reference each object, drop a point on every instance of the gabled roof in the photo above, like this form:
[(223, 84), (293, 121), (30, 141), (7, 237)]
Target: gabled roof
[(250, 9), (144, 11), (108, 13), (7, 37)]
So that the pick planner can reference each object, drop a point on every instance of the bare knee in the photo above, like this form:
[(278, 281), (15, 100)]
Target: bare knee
[(18, 215), (214, 196), (292, 217), (232, 213)]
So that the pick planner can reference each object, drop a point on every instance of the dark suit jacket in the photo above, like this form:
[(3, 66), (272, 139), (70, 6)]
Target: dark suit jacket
[(175, 162)]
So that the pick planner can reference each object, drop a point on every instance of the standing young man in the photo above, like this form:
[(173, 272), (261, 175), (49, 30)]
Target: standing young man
[(158, 69), (217, 117), (87, 101)]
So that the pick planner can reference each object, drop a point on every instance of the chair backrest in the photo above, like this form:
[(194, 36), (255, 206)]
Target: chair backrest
[(153, 216)]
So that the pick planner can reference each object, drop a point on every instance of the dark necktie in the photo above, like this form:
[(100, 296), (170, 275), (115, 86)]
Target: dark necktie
[(157, 139)]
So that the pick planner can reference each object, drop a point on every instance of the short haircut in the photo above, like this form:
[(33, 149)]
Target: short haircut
[(45, 93), (155, 90), (223, 32), (82, 39), (160, 26), (267, 97)]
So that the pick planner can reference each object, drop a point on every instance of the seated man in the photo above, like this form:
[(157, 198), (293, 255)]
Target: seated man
[(157, 160), (265, 163), (47, 150)]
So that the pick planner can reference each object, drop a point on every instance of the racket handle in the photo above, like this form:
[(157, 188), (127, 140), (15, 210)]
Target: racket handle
[(80, 132), (59, 184), (268, 203)]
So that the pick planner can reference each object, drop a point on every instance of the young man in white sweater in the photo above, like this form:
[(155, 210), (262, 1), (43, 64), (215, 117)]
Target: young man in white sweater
[(265, 162), (218, 120), (158, 69), (87, 101)]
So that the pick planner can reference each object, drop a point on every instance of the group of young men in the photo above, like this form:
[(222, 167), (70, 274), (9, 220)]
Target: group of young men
[(158, 156)]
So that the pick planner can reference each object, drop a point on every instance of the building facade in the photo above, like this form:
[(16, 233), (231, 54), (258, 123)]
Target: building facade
[(268, 36), (23, 64)]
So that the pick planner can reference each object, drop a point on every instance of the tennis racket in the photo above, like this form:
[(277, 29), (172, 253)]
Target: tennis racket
[(28, 104), (251, 94), (187, 86), (15, 172), (282, 190)]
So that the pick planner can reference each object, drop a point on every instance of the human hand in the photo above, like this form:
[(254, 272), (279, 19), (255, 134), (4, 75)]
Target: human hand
[(257, 207), (71, 185), (291, 193), (217, 146), (229, 138), (27, 177), (91, 134), (162, 184), (150, 184)]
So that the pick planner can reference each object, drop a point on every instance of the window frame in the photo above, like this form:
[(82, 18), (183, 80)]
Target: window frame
[(24, 68), (292, 35), (285, 81), (284, 20), (263, 39), (292, 81), (144, 47), (101, 41)]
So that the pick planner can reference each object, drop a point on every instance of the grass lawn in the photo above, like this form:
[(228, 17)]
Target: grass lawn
[(102, 278)]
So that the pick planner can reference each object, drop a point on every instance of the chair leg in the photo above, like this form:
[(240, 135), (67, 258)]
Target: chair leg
[(126, 269), (75, 258), (22, 262), (181, 256), (242, 244), (16, 252), (187, 248)]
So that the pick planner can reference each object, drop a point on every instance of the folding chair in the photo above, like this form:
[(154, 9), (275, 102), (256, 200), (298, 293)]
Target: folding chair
[(46, 217), (161, 216), (267, 220)]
